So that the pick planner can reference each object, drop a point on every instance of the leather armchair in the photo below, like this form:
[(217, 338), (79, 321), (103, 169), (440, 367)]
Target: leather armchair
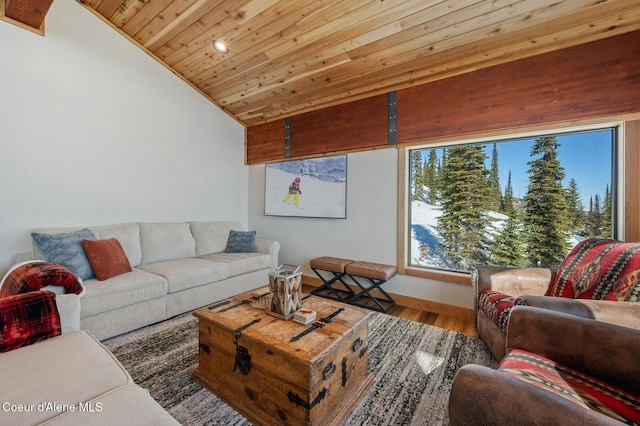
[(511, 281), (528, 286), (607, 352), (626, 314)]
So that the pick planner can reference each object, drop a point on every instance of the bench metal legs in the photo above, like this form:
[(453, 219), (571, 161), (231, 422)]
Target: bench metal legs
[(327, 289), (344, 293), (383, 303)]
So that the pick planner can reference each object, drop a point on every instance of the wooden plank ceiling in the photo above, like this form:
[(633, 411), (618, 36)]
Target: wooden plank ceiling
[(287, 57)]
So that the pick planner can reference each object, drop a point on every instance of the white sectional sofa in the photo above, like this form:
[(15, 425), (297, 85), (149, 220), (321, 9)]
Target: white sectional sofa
[(72, 379), (176, 267)]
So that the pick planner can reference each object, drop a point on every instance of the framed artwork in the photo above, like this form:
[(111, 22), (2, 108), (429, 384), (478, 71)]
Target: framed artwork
[(315, 187)]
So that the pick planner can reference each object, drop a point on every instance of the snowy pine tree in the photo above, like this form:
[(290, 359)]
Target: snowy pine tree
[(594, 218), (416, 175), (606, 214), (545, 217), (507, 206), (495, 194), (464, 205), (575, 210), (508, 248), (431, 177)]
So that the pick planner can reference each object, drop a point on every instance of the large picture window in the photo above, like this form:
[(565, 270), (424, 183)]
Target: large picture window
[(518, 202)]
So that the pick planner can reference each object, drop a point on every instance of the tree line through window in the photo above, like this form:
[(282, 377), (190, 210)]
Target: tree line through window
[(521, 202)]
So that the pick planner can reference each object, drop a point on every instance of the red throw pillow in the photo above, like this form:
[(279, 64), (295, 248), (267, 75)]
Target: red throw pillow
[(106, 257), (599, 269)]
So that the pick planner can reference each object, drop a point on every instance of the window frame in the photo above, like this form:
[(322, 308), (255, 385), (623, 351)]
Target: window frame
[(627, 182)]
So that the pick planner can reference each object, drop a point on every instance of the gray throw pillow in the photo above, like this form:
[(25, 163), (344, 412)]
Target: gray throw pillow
[(241, 242), (66, 249)]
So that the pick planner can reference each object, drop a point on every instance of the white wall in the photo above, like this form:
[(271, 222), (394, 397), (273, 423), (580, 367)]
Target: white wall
[(369, 233), (94, 131)]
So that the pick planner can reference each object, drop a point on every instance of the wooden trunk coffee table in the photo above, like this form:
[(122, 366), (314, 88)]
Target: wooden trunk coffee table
[(282, 372)]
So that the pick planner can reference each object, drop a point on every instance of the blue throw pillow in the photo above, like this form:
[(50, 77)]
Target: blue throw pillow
[(66, 249), (241, 242)]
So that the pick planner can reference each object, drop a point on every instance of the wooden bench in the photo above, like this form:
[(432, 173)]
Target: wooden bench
[(368, 278)]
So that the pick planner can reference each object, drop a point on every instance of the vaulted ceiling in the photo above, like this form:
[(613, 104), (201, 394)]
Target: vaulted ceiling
[(287, 57)]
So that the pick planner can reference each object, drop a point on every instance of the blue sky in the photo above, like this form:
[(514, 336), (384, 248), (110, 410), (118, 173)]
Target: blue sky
[(585, 156)]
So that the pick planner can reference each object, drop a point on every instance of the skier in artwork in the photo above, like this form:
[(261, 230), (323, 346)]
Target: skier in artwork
[(294, 192)]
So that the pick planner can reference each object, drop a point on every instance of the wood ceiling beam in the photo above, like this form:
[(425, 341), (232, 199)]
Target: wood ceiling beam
[(28, 14)]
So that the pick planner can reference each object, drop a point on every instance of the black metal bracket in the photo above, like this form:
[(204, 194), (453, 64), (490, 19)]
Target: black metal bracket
[(217, 305), (243, 358), (205, 347), (287, 137), (241, 303), (244, 327), (363, 351), (315, 325), (357, 344), (344, 371), (295, 399), (244, 302), (393, 118), (330, 318), (307, 331)]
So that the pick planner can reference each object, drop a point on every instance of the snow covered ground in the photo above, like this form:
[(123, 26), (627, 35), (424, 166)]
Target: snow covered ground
[(425, 238)]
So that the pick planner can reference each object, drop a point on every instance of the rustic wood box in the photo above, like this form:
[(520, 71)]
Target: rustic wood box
[(314, 380)]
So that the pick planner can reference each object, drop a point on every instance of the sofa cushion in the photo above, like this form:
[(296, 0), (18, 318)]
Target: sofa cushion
[(35, 274), (106, 257), (241, 263), (182, 274), (496, 306), (600, 269), (69, 310), (127, 405), (122, 290), (166, 241), (66, 249), (241, 242), (129, 236), (28, 318), (572, 385), (66, 369), (211, 237)]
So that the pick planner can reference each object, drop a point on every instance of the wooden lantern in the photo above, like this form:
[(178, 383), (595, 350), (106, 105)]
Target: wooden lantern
[(285, 290)]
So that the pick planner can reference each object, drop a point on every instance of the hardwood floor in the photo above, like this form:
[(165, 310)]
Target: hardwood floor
[(426, 317), (432, 318)]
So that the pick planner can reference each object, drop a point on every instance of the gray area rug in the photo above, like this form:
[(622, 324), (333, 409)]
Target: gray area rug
[(414, 365)]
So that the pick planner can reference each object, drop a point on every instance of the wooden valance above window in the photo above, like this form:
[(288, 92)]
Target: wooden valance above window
[(597, 79)]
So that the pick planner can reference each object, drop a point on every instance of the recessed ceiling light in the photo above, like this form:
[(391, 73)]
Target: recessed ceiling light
[(220, 46)]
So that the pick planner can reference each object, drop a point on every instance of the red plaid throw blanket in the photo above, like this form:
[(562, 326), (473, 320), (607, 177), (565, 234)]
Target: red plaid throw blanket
[(27, 318), (32, 276)]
